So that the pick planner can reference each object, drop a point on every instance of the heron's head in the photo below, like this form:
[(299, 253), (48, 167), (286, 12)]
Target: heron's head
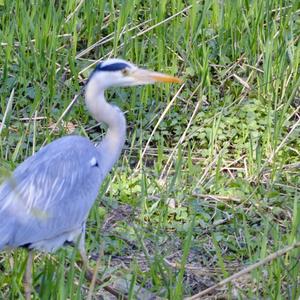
[(118, 72)]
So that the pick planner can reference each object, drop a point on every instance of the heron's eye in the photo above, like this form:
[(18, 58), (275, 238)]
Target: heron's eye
[(125, 72)]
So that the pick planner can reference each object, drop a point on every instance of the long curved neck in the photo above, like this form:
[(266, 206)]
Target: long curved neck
[(111, 145)]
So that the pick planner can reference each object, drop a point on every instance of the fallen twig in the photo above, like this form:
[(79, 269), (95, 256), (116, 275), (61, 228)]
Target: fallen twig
[(246, 270)]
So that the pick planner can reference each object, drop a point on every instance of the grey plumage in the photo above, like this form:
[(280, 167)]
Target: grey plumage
[(46, 201)]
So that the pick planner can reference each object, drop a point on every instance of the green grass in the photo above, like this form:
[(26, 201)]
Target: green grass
[(218, 186)]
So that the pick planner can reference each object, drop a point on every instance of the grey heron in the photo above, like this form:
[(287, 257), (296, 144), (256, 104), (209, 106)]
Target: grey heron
[(46, 201)]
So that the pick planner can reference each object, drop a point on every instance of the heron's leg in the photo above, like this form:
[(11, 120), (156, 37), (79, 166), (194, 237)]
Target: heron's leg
[(84, 257), (81, 248), (28, 276), (89, 273)]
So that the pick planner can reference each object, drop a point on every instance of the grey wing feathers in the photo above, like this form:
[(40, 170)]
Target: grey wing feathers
[(50, 193)]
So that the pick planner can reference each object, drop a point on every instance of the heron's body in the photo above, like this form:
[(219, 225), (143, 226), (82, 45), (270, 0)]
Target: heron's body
[(46, 201)]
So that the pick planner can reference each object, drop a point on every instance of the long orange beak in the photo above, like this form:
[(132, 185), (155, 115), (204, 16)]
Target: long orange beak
[(144, 76)]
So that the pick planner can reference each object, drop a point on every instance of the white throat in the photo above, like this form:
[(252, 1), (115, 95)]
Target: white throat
[(111, 146)]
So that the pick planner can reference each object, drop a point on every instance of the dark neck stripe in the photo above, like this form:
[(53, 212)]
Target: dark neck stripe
[(112, 67)]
